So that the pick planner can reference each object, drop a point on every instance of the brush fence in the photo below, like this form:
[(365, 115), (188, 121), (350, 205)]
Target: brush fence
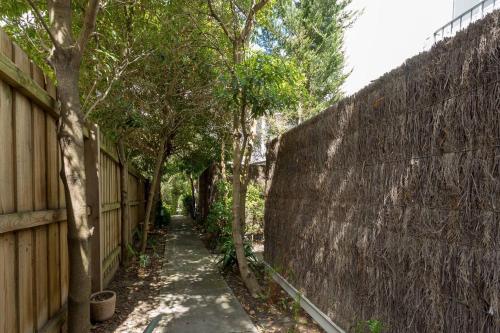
[(387, 205), (33, 245)]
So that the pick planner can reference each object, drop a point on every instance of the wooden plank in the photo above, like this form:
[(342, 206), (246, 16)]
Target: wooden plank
[(7, 203), (52, 165), (136, 203), (133, 171), (21, 81), (63, 239), (39, 149), (23, 140), (93, 190), (109, 151), (55, 322), (62, 195), (110, 206), (25, 282), (24, 220), (41, 276), (39, 159), (54, 272), (8, 301), (111, 273), (6, 150), (109, 259), (24, 197)]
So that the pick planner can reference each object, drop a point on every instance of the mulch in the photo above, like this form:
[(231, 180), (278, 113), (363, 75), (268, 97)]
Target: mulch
[(135, 286)]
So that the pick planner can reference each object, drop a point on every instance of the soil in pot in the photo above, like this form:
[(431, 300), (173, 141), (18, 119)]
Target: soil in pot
[(102, 305)]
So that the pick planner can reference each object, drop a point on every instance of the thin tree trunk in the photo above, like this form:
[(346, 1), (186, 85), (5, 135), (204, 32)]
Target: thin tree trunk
[(223, 160), (156, 199), (246, 273), (70, 135), (160, 158), (125, 216), (193, 195)]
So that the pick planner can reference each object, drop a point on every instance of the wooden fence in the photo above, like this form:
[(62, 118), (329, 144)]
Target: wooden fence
[(33, 244)]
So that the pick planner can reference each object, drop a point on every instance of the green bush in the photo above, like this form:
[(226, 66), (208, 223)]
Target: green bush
[(228, 257), (188, 205), (254, 210), (218, 222), (162, 216)]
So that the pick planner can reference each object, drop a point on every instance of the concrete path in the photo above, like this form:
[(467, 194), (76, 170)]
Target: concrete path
[(196, 297)]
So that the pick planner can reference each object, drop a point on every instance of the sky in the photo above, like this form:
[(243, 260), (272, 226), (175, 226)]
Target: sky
[(387, 33)]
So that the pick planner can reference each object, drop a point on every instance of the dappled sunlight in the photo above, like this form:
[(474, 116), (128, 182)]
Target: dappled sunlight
[(191, 295)]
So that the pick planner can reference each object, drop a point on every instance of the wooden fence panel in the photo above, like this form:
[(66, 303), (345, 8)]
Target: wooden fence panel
[(110, 207), (30, 242), (34, 266)]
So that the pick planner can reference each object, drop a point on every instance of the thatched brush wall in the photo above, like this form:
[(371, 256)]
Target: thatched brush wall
[(387, 205)]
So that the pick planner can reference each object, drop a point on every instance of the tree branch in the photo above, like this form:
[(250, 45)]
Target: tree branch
[(250, 18), (42, 22), (219, 21), (88, 25)]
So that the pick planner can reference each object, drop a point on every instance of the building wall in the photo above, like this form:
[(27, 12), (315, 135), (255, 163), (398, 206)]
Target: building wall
[(460, 6)]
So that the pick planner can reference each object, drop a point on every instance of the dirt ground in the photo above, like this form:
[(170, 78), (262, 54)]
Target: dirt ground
[(136, 288), (275, 311)]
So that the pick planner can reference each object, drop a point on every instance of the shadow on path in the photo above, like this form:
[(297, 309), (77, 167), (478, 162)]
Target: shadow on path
[(195, 298)]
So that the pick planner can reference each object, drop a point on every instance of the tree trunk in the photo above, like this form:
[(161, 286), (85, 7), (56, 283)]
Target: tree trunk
[(70, 135), (160, 158), (223, 160), (246, 273), (156, 199), (125, 216), (193, 195)]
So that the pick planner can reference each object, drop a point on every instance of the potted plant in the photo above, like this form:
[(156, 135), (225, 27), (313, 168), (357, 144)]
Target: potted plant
[(102, 305)]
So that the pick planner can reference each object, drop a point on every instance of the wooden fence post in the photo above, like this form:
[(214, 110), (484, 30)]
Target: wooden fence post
[(92, 157)]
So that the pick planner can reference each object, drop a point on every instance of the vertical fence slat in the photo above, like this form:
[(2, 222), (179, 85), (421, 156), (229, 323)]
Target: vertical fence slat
[(8, 301), (24, 197), (54, 276), (6, 137), (63, 240), (41, 273)]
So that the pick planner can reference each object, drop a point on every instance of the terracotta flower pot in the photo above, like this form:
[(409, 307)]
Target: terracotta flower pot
[(102, 305)]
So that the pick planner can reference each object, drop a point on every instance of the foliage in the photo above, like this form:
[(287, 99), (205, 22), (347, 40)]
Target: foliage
[(371, 326), (220, 215), (188, 205), (144, 260), (162, 217), (228, 257), (255, 209), (267, 83), (312, 33)]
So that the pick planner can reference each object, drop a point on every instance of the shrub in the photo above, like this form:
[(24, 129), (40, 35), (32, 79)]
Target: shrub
[(228, 257), (254, 210), (188, 205), (162, 216)]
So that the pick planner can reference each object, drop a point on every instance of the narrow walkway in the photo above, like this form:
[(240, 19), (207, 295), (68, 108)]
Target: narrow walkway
[(196, 298)]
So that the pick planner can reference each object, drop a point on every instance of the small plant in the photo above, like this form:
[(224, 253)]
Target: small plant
[(374, 326), (296, 307), (228, 258), (371, 326), (131, 251), (144, 260)]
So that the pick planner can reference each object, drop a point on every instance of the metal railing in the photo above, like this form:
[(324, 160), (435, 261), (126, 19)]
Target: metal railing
[(462, 21)]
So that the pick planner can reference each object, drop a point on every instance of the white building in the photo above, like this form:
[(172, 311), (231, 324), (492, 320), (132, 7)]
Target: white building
[(461, 6), (464, 13)]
